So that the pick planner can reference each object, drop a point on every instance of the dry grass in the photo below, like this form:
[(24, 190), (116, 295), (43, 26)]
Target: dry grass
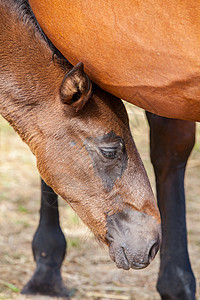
[(87, 267)]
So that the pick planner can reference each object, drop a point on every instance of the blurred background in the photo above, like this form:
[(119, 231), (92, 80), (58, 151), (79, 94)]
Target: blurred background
[(87, 270)]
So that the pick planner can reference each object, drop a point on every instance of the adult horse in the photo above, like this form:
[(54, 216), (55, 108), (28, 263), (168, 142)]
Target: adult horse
[(146, 52), (143, 51)]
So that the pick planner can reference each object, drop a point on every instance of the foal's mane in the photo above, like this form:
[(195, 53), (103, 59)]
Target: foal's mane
[(26, 14)]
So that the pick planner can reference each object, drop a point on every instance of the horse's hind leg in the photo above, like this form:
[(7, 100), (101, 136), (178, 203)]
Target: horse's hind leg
[(49, 248), (171, 144)]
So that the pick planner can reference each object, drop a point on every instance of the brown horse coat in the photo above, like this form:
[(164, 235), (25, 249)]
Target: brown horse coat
[(84, 151), (146, 52)]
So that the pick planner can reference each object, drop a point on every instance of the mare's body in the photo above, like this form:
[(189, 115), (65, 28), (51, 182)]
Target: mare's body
[(143, 51)]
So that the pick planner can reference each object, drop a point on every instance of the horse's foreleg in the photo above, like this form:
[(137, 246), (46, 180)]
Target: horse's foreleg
[(171, 144), (49, 248)]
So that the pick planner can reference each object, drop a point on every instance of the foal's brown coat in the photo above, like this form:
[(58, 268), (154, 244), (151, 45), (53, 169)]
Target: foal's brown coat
[(34, 99)]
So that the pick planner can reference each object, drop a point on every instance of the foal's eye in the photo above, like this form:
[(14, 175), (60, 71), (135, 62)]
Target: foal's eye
[(109, 152)]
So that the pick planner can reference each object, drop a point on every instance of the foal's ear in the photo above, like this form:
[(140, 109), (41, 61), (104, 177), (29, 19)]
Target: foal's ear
[(76, 87)]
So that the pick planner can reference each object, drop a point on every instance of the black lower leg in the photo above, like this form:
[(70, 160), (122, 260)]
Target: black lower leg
[(171, 145), (49, 248)]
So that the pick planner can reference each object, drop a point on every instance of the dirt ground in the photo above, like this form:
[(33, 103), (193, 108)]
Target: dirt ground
[(87, 271)]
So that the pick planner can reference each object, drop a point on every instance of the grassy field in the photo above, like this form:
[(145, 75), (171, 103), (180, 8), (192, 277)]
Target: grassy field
[(87, 269)]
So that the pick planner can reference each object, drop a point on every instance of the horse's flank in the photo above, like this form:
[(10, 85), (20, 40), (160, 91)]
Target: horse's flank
[(146, 52)]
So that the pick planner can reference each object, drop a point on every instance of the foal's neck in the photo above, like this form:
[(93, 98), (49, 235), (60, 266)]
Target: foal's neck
[(30, 77)]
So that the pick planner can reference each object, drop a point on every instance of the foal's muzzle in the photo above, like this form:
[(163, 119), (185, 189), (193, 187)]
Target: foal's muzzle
[(134, 239)]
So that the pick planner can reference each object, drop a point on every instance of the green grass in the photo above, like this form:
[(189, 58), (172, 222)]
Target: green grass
[(10, 286)]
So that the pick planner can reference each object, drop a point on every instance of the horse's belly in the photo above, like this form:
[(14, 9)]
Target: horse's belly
[(146, 52)]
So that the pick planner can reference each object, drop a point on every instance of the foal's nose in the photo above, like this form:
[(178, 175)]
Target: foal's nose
[(153, 251), (134, 239), (136, 262), (125, 258)]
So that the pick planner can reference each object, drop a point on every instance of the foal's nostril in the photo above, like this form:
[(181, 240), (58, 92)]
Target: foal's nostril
[(153, 250)]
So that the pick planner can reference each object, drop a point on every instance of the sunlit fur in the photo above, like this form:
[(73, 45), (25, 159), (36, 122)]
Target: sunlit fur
[(30, 100)]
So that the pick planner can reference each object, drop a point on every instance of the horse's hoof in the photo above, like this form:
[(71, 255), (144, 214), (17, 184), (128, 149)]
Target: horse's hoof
[(46, 281), (175, 283), (53, 290)]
